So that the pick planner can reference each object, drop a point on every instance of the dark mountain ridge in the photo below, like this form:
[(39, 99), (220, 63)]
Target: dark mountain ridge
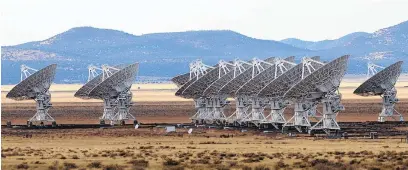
[(165, 55)]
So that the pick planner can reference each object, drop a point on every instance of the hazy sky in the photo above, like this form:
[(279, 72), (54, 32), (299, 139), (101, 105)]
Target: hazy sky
[(29, 20)]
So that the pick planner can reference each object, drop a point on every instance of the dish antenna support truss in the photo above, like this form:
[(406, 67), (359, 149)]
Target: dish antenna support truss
[(25, 72), (198, 69), (258, 104), (211, 108), (92, 73), (241, 105), (243, 102), (42, 98), (116, 109), (303, 108), (389, 97), (372, 69)]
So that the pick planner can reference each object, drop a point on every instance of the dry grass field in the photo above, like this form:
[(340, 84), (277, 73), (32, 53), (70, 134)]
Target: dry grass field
[(151, 148)]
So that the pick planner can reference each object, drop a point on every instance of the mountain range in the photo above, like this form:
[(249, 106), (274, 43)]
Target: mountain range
[(164, 55)]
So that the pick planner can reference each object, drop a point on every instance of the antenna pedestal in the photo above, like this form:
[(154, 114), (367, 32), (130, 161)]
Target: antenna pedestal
[(241, 110), (331, 106), (217, 104), (124, 104), (276, 115), (257, 114), (301, 117), (43, 104), (389, 98), (201, 110), (109, 106)]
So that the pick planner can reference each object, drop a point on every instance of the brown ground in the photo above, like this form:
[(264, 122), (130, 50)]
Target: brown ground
[(171, 112), (126, 148)]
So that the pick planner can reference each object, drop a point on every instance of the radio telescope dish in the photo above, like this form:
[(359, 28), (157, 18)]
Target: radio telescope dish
[(319, 86), (383, 84), (115, 91), (197, 70), (239, 67), (277, 88), (197, 88), (253, 68), (209, 108), (36, 87), (380, 82), (325, 79), (250, 89), (233, 85), (94, 80), (256, 83), (180, 80)]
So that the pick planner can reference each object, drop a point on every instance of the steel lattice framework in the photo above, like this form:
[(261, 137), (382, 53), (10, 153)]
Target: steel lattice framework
[(197, 70), (245, 73), (94, 78), (114, 90), (383, 84), (276, 89), (320, 86), (36, 86), (210, 108), (251, 88)]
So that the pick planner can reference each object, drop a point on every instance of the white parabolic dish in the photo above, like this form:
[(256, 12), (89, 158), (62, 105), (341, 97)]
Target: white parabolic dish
[(325, 79), (112, 86), (37, 83), (380, 82)]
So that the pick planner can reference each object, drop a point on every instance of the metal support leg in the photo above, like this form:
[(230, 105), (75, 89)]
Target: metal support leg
[(43, 105), (276, 116), (241, 110), (331, 106), (300, 119), (389, 99), (109, 107), (124, 104)]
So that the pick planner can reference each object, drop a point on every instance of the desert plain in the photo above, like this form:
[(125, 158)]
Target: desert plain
[(152, 148)]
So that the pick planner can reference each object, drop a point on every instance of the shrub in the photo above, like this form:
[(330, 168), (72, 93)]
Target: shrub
[(261, 167), (22, 166), (75, 157), (95, 164), (113, 167), (280, 165), (68, 165), (139, 163), (171, 162)]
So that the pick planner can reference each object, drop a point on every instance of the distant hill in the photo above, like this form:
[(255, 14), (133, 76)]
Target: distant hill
[(164, 55), (325, 44)]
